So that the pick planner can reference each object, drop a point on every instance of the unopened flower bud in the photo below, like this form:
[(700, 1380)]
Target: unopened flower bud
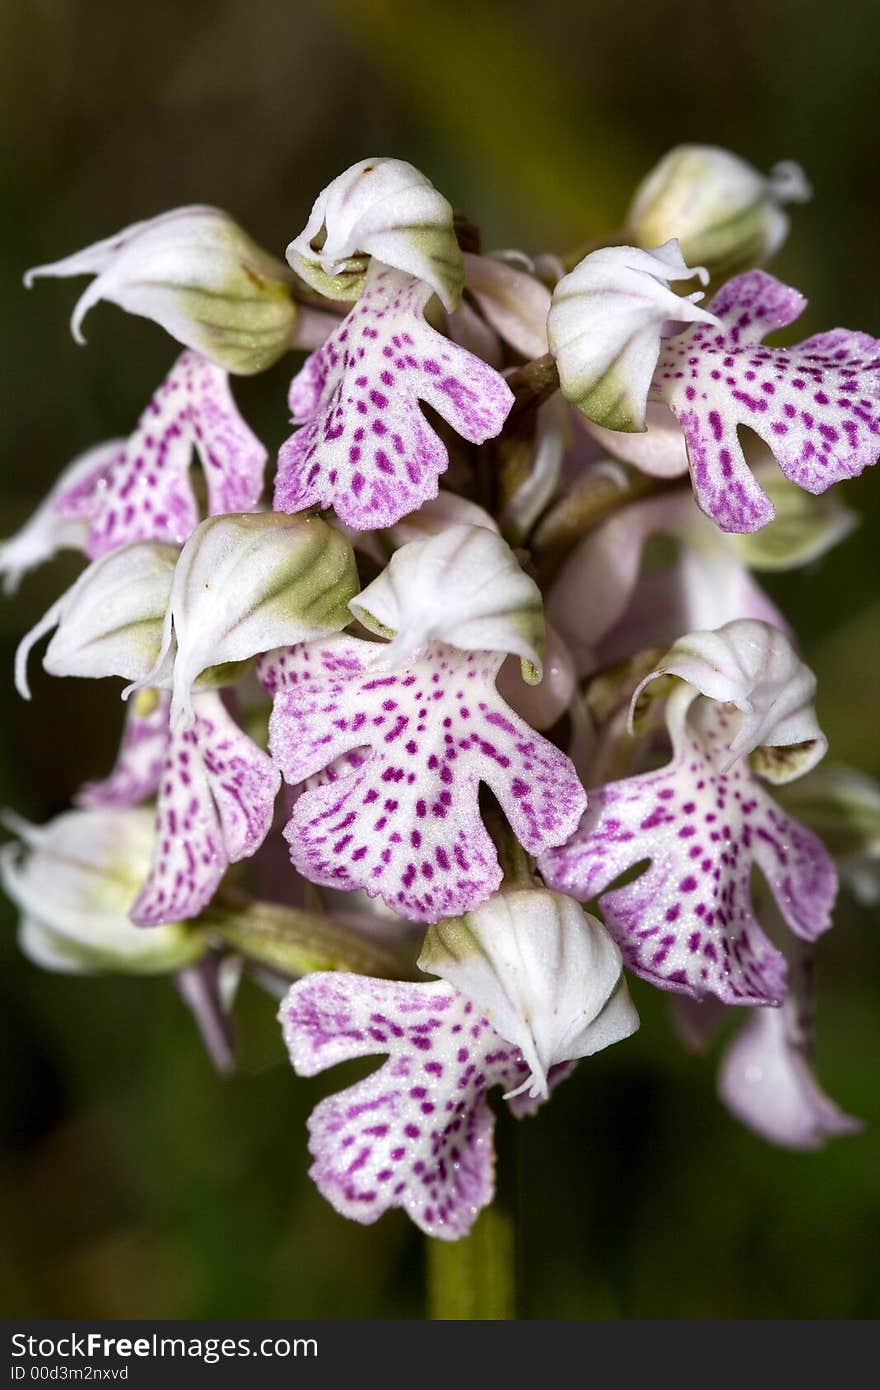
[(199, 275), (724, 214), (382, 208)]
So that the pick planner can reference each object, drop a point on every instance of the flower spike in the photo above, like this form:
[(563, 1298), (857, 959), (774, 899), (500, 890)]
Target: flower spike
[(365, 447), (147, 494), (417, 1133), (687, 922), (405, 824)]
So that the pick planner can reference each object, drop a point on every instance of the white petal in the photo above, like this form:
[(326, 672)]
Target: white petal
[(386, 209), (109, 623), (754, 667), (767, 1082), (724, 213), (247, 584), (462, 586), (74, 881), (606, 321), (514, 303), (546, 974), (199, 275)]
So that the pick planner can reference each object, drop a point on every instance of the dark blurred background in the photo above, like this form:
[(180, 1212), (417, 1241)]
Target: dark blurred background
[(135, 1183)]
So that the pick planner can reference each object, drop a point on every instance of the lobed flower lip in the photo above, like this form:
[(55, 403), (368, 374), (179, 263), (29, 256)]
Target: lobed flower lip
[(145, 492), (687, 923), (416, 1133), (404, 823), (50, 528), (385, 210), (364, 446), (815, 405), (138, 767), (216, 796)]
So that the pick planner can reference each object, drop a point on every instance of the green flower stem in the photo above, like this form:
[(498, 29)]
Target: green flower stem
[(297, 942), (475, 1279)]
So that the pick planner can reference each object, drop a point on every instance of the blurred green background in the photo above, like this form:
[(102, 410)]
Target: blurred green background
[(135, 1183)]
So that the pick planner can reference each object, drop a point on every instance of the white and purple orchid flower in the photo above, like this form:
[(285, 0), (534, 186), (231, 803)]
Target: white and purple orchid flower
[(357, 656), (615, 329), (529, 984), (739, 714), (402, 821)]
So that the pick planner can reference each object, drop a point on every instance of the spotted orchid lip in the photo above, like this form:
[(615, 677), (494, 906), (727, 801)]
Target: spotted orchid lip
[(364, 446), (145, 494), (405, 823), (416, 1133), (138, 766), (687, 922), (816, 405), (216, 796)]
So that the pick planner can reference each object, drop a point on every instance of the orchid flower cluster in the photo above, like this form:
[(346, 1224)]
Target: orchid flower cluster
[(492, 659)]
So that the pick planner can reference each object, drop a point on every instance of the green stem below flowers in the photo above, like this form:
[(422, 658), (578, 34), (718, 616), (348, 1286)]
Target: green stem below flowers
[(474, 1279)]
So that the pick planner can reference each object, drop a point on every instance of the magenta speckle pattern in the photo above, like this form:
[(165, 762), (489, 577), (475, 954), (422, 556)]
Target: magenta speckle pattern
[(365, 446), (216, 797), (816, 405), (145, 493), (687, 922), (401, 819), (140, 760), (417, 1133)]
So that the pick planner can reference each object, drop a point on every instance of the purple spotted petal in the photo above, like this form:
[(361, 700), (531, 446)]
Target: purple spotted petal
[(417, 1133), (147, 495), (216, 796), (687, 923), (405, 824), (141, 756), (365, 447), (816, 405)]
